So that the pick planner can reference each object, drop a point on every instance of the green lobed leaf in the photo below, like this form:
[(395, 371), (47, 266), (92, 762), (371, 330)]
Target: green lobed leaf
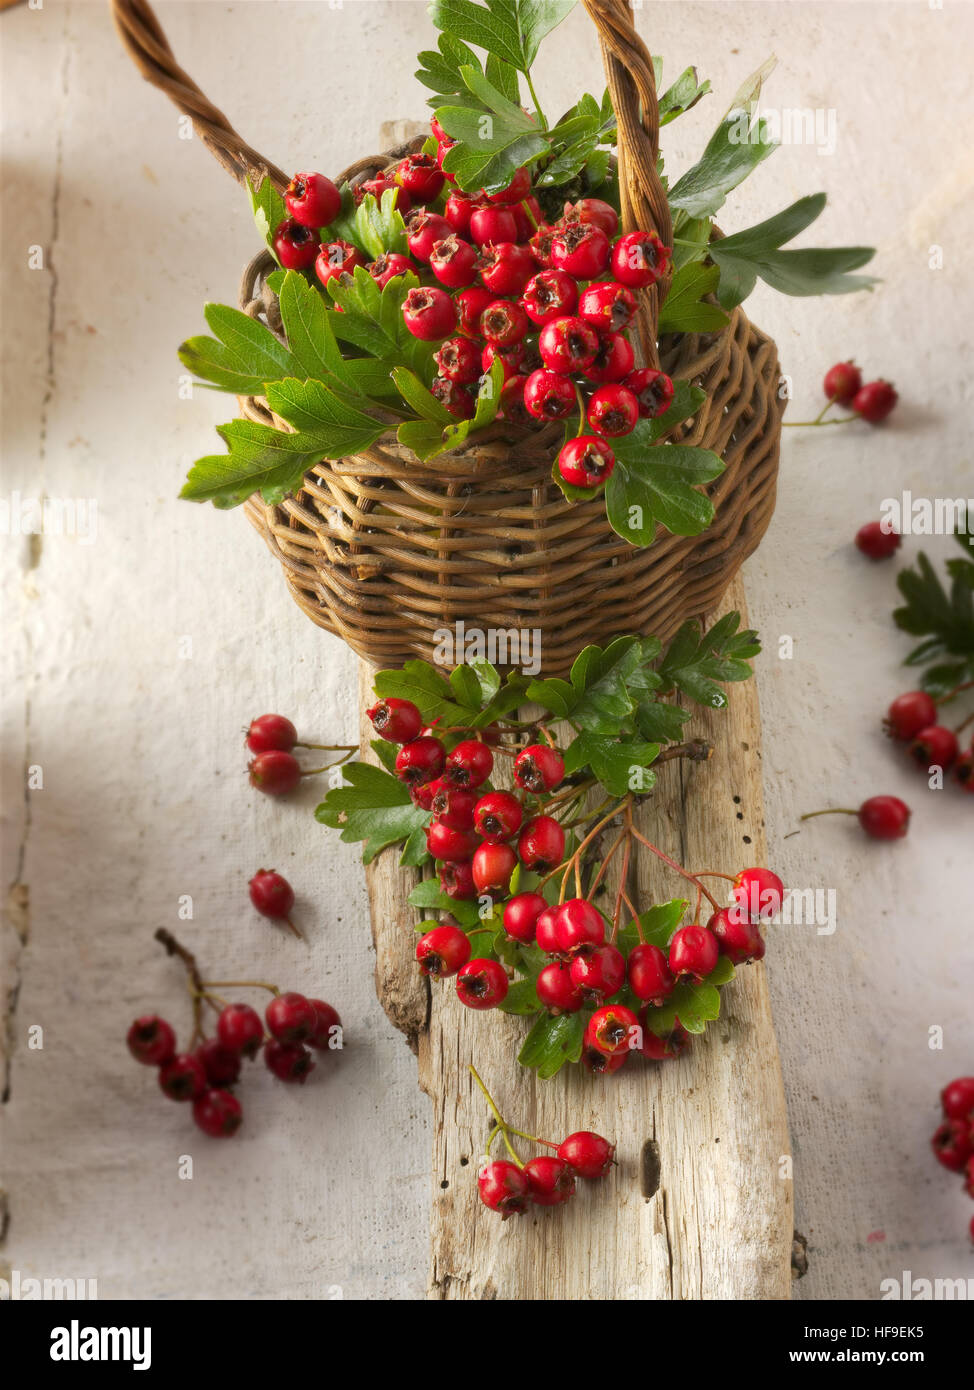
[(268, 208), (512, 30), (373, 807), (697, 662), (659, 485), (621, 764), (552, 1042), (684, 310), (739, 144), (429, 895), (429, 691)]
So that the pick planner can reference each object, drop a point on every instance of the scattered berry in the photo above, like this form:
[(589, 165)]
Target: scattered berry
[(221, 1064), (842, 382), (273, 732), (275, 773), (910, 713), (557, 990), (184, 1078), (482, 984), (876, 542), (613, 410), (551, 1181), (738, 938), (448, 845), (874, 401), (610, 1030), (759, 893), (933, 747), (327, 1035), (429, 314), (503, 1187), (885, 817)]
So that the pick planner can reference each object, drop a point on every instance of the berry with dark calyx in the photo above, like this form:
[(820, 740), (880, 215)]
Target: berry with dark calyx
[(609, 1029), (273, 731), (594, 210), (336, 258), (518, 188), (551, 1181), (876, 541), (540, 245), (607, 306), (288, 1061), (221, 1064), (738, 938), (497, 816), (511, 359), (456, 880), (453, 262), (429, 314), (568, 344), (933, 747), (313, 200), (613, 410), (458, 359), (423, 230), (658, 1048), (505, 267), (492, 867), (909, 713), (420, 760), (290, 1018), (874, 401), (239, 1028), (578, 926), (275, 773), (693, 953), (397, 721), (557, 990), (387, 266), (759, 893), (549, 395), (957, 1098), (458, 400), (964, 770), (613, 360), (521, 914), (443, 951), (551, 294), (151, 1041), (512, 405), (885, 817), (546, 931), (328, 1027), (419, 176), (639, 259), (842, 382), (541, 844), (951, 1144), (504, 323), (470, 304), (452, 805), (650, 978), (581, 248), (602, 1063), (295, 246), (599, 974), (448, 845), (380, 185), (183, 1078), (421, 795), (482, 984), (469, 764), (586, 461), (490, 226), (653, 390), (217, 1113), (587, 1154), (271, 894), (503, 1187), (539, 768), (458, 211)]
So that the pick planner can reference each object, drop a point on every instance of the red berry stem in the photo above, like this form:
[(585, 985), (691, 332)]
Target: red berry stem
[(240, 984), (830, 811), (808, 424), (195, 980), (678, 868), (329, 747), (945, 699)]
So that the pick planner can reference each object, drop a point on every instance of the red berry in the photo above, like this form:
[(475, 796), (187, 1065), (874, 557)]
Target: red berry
[(421, 795), (504, 323), (964, 770), (453, 805), (151, 1041), (639, 259), (492, 225), (492, 867), (601, 1063), (497, 816), (184, 1078), (380, 185), (658, 1048), (419, 176), (546, 931), (456, 880), (594, 210), (613, 410), (957, 1098), (550, 1181), (397, 721), (429, 314), (759, 893), (557, 990), (458, 359), (294, 246), (608, 1030), (458, 400), (239, 1028), (218, 1114), (876, 541), (510, 358), (458, 210), (275, 773), (586, 461), (442, 150), (587, 1154), (842, 382), (387, 266), (951, 1144), (910, 713), (313, 200), (738, 938), (453, 262), (607, 306), (521, 914), (503, 1187), (613, 360), (579, 926), (505, 267), (568, 344), (541, 844), (449, 845), (336, 258), (551, 294), (884, 817), (581, 248), (599, 974), (271, 894), (420, 760), (288, 1061), (327, 1036), (653, 390), (693, 952), (549, 395), (442, 951), (221, 1064), (934, 747), (291, 1018), (649, 975), (518, 188), (423, 230), (482, 984), (469, 764), (540, 244), (471, 303), (874, 401), (512, 401), (539, 768), (273, 731)]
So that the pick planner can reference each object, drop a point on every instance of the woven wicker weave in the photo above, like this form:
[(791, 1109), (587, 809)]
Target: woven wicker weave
[(387, 551)]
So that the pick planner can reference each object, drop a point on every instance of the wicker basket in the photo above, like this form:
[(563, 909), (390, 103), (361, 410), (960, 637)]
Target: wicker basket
[(388, 551)]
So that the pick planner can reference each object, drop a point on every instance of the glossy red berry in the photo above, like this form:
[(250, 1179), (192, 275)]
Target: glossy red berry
[(607, 306), (933, 747), (505, 266), (613, 410), (419, 176), (539, 768), (449, 845), (420, 760), (482, 984), (151, 1041), (503, 1187), (885, 817), (469, 764), (874, 401), (540, 245), (291, 1018), (541, 844), (271, 894), (613, 360), (587, 1154), (602, 1063), (964, 770), (759, 893), (842, 382), (549, 395), (453, 262), (957, 1098), (610, 1029), (275, 773), (639, 259), (313, 200), (239, 1028), (568, 344), (471, 303), (387, 266), (429, 314), (653, 390), (504, 323), (397, 721), (951, 1144), (489, 226), (594, 210), (423, 230), (581, 248), (273, 731), (875, 541), (327, 1036), (518, 188), (459, 359), (443, 951), (497, 816), (456, 880), (658, 1048), (221, 1064), (443, 148), (649, 975), (512, 401), (579, 926), (183, 1078), (909, 713), (551, 1181), (380, 185), (510, 358), (288, 1061), (546, 931), (458, 400), (738, 938), (587, 460), (521, 914), (458, 210), (599, 974), (337, 258), (557, 990), (294, 246), (452, 805), (492, 867), (693, 952), (551, 294), (421, 795), (218, 1113)]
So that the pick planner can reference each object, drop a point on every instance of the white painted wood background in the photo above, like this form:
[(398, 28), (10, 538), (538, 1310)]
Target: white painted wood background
[(328, 1188)]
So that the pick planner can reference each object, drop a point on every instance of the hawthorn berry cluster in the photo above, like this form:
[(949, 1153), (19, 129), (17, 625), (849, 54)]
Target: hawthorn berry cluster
[(275, 771), (871, 401), (912, 719), (953, 1140)]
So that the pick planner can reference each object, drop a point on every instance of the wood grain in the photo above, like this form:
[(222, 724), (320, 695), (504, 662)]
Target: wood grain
[(699, 1205)]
